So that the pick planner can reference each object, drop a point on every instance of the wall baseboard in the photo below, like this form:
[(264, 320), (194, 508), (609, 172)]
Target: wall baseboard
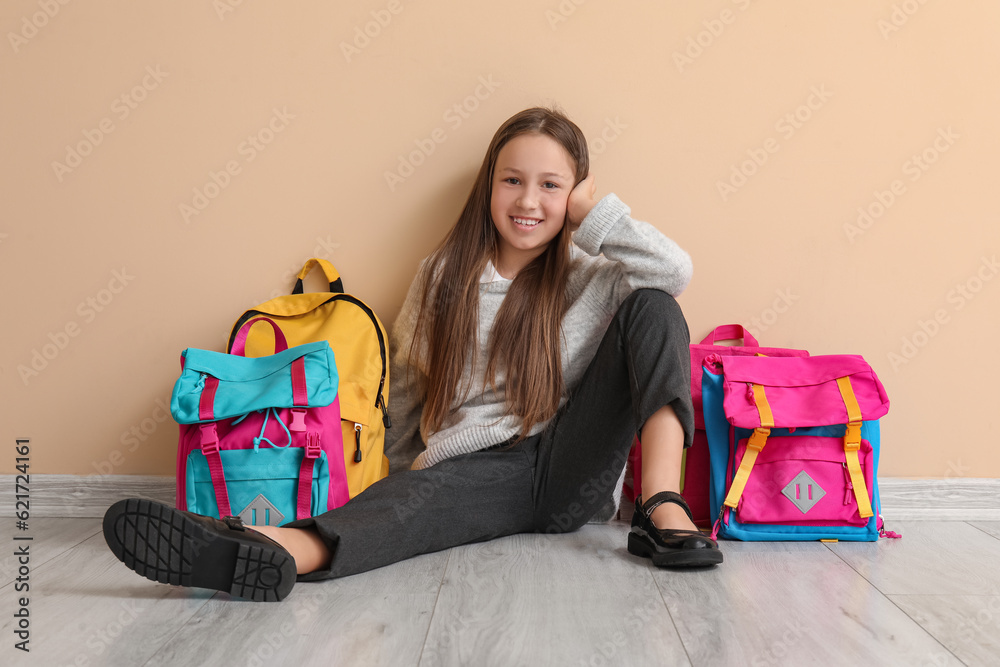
[(940, 499), (74, 496), (903, 499)]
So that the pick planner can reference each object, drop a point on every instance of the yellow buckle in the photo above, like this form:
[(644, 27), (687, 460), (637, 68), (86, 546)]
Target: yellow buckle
[(852, 438), (759, 438)]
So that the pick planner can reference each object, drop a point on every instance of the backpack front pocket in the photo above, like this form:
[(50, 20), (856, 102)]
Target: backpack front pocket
[(803, 480), (262, 484)]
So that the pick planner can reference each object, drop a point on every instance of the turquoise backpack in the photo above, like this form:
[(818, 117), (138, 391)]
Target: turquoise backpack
[(260, 438)]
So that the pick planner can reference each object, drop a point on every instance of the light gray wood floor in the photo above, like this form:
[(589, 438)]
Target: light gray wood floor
[(931, 598)]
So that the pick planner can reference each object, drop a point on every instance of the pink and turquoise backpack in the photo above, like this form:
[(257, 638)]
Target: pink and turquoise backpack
[(260, 437), (794, 445)]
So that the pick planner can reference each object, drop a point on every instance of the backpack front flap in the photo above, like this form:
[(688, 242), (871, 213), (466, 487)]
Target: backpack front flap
[(800, 391), (761, 394), (215, 386)]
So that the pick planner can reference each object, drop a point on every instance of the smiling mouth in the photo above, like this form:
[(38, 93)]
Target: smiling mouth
[(526, 223)]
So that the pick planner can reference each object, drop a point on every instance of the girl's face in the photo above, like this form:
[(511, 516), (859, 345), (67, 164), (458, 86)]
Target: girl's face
[(532, 179)]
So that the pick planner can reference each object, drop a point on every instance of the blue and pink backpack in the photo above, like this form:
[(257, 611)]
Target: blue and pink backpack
[(794, 445), (260, 438)]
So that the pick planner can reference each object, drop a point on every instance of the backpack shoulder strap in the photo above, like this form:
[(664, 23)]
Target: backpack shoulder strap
[(852, 443), (756, 443)]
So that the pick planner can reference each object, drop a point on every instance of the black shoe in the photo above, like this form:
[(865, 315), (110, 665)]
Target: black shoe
[(176, 547), (668, 547)]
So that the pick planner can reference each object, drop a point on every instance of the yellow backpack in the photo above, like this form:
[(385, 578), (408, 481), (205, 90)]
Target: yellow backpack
[(360, 348)]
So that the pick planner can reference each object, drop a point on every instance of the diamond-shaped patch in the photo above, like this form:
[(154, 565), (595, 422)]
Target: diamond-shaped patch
[(803, 491), (261, 512)]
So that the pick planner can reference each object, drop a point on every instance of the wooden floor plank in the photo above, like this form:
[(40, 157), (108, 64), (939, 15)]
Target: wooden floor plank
[(88, 608), (930, 598), (989, 527), (374, 618), (795, 606), (551, 600), (316, 625), (932, 558), (50, 538), (968, 625)]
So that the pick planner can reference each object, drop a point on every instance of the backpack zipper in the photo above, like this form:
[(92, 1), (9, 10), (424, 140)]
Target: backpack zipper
[(849, 488), (385, 413)]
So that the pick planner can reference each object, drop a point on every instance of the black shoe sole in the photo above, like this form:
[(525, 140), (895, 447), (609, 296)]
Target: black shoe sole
[(639, 546), (165, 545)]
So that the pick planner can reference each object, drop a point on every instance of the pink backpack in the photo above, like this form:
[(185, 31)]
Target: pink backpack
[(794, 447), (260, 438), (696, 468)]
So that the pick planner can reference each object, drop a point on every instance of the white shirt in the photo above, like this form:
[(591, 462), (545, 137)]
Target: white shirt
[(491, 275)]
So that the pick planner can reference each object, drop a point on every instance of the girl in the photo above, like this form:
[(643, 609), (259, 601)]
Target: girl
[(535, 342)]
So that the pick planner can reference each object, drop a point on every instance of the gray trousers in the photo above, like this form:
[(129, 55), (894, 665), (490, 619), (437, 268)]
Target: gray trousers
[(552, 482)]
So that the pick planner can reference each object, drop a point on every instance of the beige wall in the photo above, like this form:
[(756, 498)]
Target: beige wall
[(104, 273)]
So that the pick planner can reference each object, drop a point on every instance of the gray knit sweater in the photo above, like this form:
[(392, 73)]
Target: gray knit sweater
[(635, 255)]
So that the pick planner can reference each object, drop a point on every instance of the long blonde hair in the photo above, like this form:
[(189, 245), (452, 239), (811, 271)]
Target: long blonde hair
[(525, 339)]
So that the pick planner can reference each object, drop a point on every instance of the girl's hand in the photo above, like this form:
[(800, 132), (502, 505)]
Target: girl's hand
[(581, 200)]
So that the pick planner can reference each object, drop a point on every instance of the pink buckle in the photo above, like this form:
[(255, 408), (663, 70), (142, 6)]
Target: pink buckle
[(313, 449), (208, 434), (298, 420), (209, 439)]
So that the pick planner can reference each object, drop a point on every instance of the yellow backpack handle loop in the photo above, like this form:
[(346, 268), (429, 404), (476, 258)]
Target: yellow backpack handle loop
[(331, 273)]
